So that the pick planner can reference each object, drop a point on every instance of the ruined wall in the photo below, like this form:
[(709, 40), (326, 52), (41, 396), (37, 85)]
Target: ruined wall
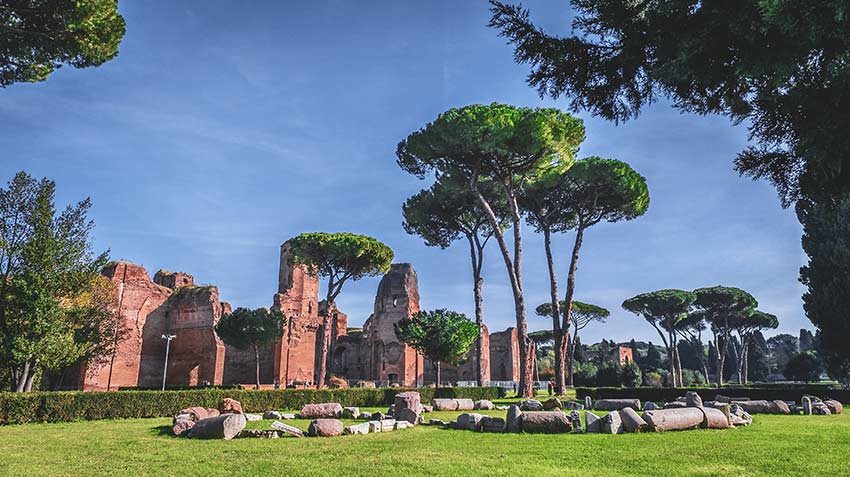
[(504, 355), (295, 354), (139, 302), (197, 354), (397, 298)]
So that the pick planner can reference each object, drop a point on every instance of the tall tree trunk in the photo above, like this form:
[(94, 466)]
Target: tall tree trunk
[(571, 351), (477, 255), (437, 372), (22, 377), (722, 355), (678, 364), (513, 267), (556, 315), (737, 357), (323, 356), (671, 360), (571, 287), (33, 370), (257, 364)]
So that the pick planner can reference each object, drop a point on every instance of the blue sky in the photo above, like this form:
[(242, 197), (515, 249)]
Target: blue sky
[(218, 133)]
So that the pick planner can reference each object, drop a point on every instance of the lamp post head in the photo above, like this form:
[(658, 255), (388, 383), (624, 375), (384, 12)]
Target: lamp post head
[(168, 337)]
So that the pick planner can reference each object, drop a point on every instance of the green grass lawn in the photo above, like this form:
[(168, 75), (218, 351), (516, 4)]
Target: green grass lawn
[(773, 445)]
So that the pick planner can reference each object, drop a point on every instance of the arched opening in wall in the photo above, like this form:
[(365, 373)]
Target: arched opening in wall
[(194, 373), (392, 378), (465, 376), (340, 361)]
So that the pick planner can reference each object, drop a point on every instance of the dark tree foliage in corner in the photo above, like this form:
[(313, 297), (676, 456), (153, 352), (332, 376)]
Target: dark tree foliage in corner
[(803, 367), (251, 329), (39, 36), (442, 336), (779, 66), (758, 362)]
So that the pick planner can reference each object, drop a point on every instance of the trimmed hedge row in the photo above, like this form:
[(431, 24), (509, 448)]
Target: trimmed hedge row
[(786, 393), (17, 408)]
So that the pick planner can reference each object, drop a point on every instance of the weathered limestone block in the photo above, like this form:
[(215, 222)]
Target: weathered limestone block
[(194, 413), (531, 405), (807, 405), (387, 425), (259, 434), (225, 426), (230, 406), (572, 406), (738, 416), (469, 421), (351, 413), (692, 399), (592, 422), (491, 424), (212, 412), (513, 420), (632, 422), (715, 418), (484, 405), (402, 425), (406, 407), (326, 410), (588, 402), (779, 407), (674, 419), (612, 423), (834, 406), (181, 426), (325, 428), (291, 430), (271, 415), (374, 426), (552, 403), (755, 407), (362, 428), (616, 404), (441, 404), (543, 422)]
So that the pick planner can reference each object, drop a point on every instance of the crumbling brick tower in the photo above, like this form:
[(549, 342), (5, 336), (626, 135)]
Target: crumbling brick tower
[(397, 298), (297, 297)]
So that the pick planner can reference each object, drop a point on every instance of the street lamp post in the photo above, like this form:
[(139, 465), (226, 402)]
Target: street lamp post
[(167, 338)]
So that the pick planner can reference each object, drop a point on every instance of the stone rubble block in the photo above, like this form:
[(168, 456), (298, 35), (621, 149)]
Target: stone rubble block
[(674, 419), (552, 403), (362, 428), (402, 425), (286, 428), (616, 404), (592, 422), (612, 423), (543, 422), (224, 426), (513, 420), (328, 410), (469, 421), (350, 412), (271, 415), (484, 405), (387, 425), (531, 405), (632, 422), (325, 428), (374, 426), (253, 417), (834, 406), (491, 424), (258, 434)]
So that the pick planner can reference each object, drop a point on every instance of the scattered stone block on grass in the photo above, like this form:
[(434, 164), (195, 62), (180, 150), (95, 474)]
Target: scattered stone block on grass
[(224, 426), (253, 417), (374, 426), (592, 422), (258, 434), (387, 425), (402, 425), (469, 421), (778, 407), (286, 428), (491, 424), (484, 405), (441, 404), (612, 423), (693, 399), (513, 420), (350, 412), (326, 410), (616, 404), (572, 406), (531, 405), (543, 422), (632, 422), (552, 404), (674, 419), (181, 426), (271, 415), (325, 428), (230, 406), (834, 406), (715, 418), (362, 428)]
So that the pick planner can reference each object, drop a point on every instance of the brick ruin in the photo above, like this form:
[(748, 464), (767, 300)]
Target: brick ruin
[(171, 304)]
